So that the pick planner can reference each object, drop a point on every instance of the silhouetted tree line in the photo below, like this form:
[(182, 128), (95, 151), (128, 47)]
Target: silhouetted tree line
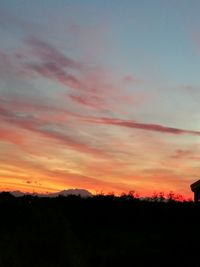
[(103, 230)]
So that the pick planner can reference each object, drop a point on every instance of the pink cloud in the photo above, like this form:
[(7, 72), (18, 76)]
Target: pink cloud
[(90, 101), (47, 112), (95, 87), (10, 136), (53, 72), (54, 65), (90, 86), (37, 125), (47, 53), (71, 143), (142, 126)]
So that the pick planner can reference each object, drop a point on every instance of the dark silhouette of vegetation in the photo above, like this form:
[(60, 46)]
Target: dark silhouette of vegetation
[(99, 231)]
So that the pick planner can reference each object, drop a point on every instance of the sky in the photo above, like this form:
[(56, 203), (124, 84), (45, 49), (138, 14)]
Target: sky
[(100, 95)]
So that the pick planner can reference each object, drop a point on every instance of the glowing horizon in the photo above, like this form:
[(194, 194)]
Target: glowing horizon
[(101, 96)]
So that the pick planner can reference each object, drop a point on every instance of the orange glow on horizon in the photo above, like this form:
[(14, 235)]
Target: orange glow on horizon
[(67, 122)]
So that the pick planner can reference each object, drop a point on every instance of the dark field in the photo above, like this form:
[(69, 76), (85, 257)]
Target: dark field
[(98, 231)]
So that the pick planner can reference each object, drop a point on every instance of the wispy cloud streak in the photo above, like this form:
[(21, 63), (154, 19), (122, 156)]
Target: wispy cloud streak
[(36, 125), (142, 126)]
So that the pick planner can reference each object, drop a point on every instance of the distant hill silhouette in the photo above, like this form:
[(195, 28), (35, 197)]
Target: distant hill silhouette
[(65, 193), (75, 192)]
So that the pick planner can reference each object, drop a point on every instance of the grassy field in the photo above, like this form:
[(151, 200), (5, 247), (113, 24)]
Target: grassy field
[(97, 231)]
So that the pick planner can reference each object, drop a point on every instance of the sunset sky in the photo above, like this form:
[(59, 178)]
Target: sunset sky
[(100, 94)]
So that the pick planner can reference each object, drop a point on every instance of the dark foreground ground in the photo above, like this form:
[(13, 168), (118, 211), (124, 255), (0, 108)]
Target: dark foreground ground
[(98, 231)]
